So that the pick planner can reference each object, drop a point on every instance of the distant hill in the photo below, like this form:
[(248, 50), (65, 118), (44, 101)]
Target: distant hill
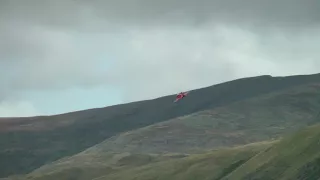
[(28, 143)]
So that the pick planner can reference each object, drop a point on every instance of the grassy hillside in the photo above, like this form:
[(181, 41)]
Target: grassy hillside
[(28, 143), (96, 166), (209, 166), (256, 119), (144, 167), (293, 157)]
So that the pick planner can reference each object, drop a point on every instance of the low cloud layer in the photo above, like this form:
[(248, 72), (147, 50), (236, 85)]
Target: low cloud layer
[(11, 109), (138, 12), (148, 49)]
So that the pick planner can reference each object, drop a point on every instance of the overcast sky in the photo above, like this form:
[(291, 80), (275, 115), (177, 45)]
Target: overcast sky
[(60, 56)]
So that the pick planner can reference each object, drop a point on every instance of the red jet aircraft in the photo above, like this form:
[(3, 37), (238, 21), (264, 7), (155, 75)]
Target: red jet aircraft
[(181, 96)]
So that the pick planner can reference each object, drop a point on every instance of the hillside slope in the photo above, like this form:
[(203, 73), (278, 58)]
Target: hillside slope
[(252, 120), (256, 119), (28, 143), (295, 156), (143, 167)]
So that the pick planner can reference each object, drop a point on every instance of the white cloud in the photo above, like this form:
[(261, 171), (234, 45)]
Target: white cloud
[(17, 109)]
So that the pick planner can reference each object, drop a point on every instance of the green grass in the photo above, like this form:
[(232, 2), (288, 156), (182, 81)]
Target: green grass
[(209, 165), (295, 156), (91, 167)]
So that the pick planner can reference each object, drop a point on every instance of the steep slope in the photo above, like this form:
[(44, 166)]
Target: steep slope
[(28, 143), (256, 119), (295, 156), (209, 166), (143, 167)]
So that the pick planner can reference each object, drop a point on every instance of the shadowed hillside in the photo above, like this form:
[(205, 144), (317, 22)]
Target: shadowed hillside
[(295, 156), (28, 143), (256, 119)]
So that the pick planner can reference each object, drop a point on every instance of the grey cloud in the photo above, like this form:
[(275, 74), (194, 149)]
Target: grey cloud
[(143, 46), (160, 62), (34, 57), (292, 13), (272, 12)]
